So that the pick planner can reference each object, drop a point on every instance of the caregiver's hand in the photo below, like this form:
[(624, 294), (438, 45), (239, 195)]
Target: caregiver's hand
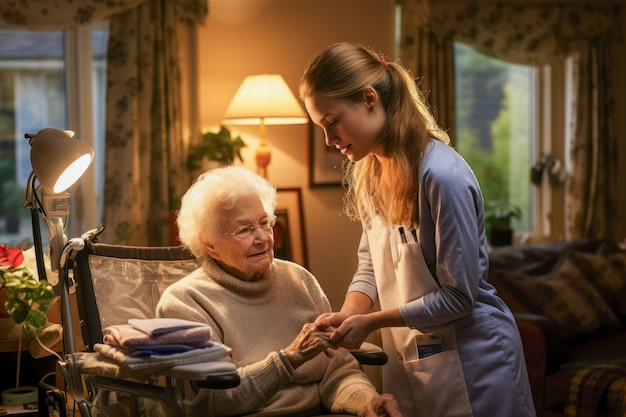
[(353, 331), (327, 320)]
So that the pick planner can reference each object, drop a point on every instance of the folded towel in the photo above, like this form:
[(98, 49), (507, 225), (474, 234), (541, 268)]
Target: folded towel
[(159, 326), (155, 363), (165, 349), (126, 337)]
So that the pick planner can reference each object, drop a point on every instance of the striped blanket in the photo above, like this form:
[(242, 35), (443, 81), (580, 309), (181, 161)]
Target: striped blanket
[(598, 391)]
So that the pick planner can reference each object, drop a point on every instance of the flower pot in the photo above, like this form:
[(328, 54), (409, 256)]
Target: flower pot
[(501, 237)]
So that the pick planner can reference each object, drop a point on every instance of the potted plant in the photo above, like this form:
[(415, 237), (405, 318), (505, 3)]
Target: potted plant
[(220, 147), (28, 297), (27, 300), (498, 218)]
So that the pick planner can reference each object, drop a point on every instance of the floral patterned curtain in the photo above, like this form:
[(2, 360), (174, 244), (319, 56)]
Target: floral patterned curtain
[(57, 15), (537, 33), (145, 171), (593, 203), (434, 67)]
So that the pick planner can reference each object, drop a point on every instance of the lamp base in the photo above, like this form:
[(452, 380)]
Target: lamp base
[(263, 157), (19, 396)]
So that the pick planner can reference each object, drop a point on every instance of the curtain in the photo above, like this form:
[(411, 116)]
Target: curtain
[(430, 58), (145, 172), (537, 33), (593, 210), (57, 15)]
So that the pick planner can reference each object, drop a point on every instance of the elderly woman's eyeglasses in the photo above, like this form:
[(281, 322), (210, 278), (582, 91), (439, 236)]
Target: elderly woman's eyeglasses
[(245, 232)]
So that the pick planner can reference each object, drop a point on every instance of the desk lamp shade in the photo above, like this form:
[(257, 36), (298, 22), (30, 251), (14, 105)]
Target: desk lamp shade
[(58, 158)]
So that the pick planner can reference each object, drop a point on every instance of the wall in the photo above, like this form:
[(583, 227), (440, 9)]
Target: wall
[(245, 37)]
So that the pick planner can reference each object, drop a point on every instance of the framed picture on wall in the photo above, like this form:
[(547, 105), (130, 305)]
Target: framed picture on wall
[(289, 235), (325, 162)]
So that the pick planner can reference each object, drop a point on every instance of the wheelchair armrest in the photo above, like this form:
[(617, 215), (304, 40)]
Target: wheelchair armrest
[(215, 375), (370, 354)]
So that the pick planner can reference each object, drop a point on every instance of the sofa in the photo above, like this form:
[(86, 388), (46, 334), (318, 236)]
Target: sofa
[(569, 301)]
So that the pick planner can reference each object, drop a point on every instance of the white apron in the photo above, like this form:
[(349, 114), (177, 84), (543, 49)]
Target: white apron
[(433, 386)]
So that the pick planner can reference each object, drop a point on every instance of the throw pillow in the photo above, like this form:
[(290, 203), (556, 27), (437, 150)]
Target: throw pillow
[(608, 275), (566, 296)]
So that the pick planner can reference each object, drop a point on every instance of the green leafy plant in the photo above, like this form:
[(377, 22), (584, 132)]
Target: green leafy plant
[(28, 298), (499, 215), (498, 218), (220, 146)]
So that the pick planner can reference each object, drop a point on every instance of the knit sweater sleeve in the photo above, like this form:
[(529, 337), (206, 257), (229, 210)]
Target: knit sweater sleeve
[(345, 388)]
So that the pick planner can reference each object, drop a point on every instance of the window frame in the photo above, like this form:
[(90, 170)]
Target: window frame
[(79, 93), (554, 90)]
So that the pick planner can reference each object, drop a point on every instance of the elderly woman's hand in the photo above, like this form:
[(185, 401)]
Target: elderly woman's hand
[(382, 406), (311, 341)]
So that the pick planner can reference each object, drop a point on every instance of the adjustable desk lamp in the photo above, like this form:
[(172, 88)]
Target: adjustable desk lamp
[(58, 160)]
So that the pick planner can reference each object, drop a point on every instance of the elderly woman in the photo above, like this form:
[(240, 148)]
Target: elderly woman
[(262, 308)]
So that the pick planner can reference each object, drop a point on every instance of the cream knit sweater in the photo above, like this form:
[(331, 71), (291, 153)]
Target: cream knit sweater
[(257, 319)]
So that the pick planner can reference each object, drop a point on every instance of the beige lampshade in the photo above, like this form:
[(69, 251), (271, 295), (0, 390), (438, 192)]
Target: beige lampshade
[(264, 98), (58, 158)]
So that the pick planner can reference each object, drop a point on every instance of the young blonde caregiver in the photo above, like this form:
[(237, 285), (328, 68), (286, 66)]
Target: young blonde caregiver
[(453, 344)]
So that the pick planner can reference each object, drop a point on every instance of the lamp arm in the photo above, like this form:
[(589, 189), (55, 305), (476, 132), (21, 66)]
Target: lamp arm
[(57, 243), (37, 243), (57, 204), (30, 202)]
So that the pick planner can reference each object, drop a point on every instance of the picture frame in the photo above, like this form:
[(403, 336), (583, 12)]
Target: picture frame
[(325, 162), (289, 233)]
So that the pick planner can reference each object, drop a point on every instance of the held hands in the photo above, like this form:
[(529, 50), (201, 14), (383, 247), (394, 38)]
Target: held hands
[(384, 405), (331, 319), (311, 341), (351, 331)]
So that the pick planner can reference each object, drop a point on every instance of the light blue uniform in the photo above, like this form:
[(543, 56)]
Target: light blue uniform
[(439, 280)]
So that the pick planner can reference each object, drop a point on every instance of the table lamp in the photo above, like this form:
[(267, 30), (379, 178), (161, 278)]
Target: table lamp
[(262, 100)]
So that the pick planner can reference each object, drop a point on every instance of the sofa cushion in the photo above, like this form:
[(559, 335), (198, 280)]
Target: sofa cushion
[(502, 265), (594, 352), (566, 296), (556, 390), (607, 273), (581, 245)]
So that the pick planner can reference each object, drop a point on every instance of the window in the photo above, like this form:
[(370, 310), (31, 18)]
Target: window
[(45, 83), (508, 117)]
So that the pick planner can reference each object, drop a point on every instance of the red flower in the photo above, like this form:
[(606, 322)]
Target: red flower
[(10, 256)]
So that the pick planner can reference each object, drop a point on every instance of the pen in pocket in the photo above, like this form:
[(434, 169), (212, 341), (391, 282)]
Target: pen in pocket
[(414, 233), (402, 235)]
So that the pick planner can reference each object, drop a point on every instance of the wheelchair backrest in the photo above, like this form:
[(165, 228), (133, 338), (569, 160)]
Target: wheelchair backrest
[(115, 283)]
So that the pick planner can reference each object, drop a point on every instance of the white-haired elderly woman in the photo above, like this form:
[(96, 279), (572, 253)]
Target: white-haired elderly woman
[(262, 308)]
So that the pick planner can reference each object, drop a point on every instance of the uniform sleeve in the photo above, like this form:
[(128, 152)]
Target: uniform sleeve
[(364, 280)]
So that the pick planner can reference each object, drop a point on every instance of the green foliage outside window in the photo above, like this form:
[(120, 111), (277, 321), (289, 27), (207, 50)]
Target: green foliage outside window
[(494, 125)]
